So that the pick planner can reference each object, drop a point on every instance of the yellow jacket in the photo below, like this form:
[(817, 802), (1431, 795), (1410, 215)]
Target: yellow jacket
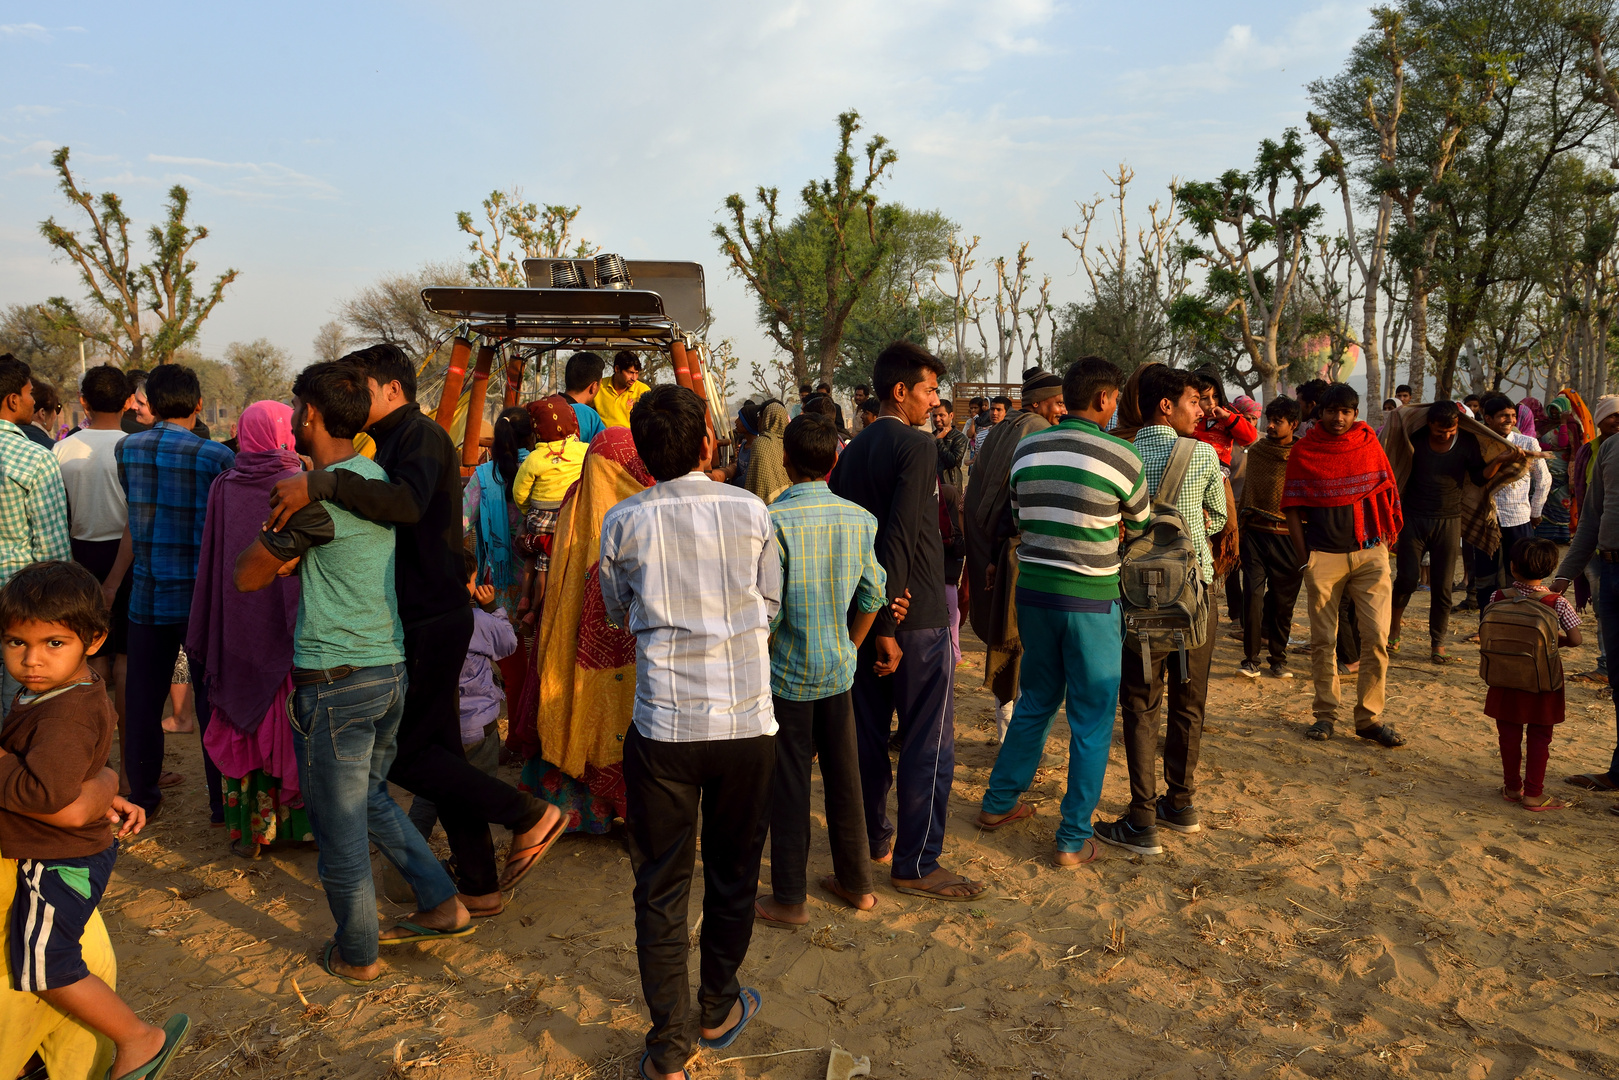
[(548, 471)]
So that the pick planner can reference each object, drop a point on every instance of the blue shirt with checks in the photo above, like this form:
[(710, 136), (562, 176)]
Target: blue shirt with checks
[(166, 473)]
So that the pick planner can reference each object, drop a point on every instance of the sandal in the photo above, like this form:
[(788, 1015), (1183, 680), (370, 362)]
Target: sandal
[(1383, 735), (1393, 646), (245, 849), (1586, 781), (748, 996), (646, 1059), (1547, 802), (1086, 854), (326, 966), (521, 861), (1438, 657), (935, 892), (1019, 812), (175, 1030), (425, 933), (1510, 795), (761, 916), (1320, 731)]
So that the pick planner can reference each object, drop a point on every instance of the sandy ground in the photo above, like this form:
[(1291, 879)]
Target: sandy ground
[(1348, 911)]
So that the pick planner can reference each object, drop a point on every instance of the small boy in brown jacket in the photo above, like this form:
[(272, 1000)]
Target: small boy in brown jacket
[(56, 738)]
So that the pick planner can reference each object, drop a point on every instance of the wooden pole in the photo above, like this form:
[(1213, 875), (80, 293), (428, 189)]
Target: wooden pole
[(697, 379), (460, 349), (514, 379), (480, 388), (682, 364)]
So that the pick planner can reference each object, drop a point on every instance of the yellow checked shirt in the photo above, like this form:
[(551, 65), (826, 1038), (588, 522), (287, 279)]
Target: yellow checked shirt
[(615, 405)]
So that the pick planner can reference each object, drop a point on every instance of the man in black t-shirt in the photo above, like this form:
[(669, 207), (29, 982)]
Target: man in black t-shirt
[(1443, 459)]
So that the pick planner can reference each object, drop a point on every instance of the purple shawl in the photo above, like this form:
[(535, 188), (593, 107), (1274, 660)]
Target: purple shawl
[(240, 644)]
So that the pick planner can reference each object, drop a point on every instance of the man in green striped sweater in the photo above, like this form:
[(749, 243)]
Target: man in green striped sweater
[(1073, 486)]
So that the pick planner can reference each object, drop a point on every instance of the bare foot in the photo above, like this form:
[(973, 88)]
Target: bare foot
[(362, 972), (481, 906), (858, 901), (541, 829), (777, 912), (450, 915), (138, 1051), (732, 1019)]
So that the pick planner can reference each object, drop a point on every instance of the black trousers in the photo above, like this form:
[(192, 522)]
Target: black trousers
[(1441, 538), (152, 653), (431, 762), (664, 784), (1271, 579), (1139, 697), (823, 727), (1491, 572)]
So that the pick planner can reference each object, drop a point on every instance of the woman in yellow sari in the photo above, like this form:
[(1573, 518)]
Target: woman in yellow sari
[(572, 729)]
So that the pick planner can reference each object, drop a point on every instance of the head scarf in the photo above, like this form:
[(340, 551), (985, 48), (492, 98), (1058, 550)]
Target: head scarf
[(554, 418), (1039, 386), (265, 426), (767, 476), (1246, 407), (1607, 405), (1530, 416)]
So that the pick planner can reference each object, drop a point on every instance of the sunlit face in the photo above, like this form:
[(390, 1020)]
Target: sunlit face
[(624, 378), (44, 655), (1338, 419), (385, 398), (1206, 399), (914, 403), (1054, 408), (1443, 433), (1186, 412), (943, 419), (143, 408), (997, 413), (1503, 422), (1609, 424), (1404, 396), (1281, 429)]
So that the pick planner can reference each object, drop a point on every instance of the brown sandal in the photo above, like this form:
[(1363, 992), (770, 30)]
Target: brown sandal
[(1019, 812), (1086, 854)]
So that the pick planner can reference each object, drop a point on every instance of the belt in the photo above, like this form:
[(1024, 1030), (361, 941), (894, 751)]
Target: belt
[(1609, 556), (313, 677)]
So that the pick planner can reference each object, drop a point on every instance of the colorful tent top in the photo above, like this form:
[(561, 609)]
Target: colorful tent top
[(1317, 353)]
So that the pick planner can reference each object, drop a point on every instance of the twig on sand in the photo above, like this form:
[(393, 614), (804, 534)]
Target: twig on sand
[(1313, 911), (778, 1053), (896, 978)]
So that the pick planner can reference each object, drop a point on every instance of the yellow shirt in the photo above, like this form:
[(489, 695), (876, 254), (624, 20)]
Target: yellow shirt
[(548, 471), (614, 406)]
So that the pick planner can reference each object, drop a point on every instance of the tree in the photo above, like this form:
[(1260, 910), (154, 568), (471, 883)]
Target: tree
[(331, 342), (809, 272), (962, 302), (391, 310), (900, 303), (1257, 224), (537, 233), (261, 371), (46, 338), (162, 286)]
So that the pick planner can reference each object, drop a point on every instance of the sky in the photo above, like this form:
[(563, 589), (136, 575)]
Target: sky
[(327, 145)]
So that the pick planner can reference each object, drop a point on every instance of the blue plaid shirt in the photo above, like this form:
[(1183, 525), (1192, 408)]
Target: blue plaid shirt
[(828, 562), (166, 473)]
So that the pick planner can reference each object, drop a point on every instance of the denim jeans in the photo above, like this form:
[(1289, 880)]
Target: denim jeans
[(344, 733), (1070, 655), (1607, 605)]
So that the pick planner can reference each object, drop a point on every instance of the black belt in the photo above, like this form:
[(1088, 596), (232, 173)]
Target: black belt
[(1608, 556), (313, 677)]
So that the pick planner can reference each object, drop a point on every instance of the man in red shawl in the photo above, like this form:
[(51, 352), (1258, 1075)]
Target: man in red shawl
[(1343, 513)]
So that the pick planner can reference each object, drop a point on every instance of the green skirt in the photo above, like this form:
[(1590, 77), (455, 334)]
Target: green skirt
[(254, 812)]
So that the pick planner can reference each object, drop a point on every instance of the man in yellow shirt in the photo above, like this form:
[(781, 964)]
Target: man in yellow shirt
[(616, 398)]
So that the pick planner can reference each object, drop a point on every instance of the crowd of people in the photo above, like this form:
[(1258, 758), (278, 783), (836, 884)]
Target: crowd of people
[(673, 634)]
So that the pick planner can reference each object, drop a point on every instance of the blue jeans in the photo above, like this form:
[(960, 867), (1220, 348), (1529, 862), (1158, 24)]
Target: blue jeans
[(344, 734), (1607, 605), (1069, 654)]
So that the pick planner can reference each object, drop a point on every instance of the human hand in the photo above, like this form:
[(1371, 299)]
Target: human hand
[(888, 656), (989, 577), (108, 596), (901, 606), (483, 594), (289, 567), (130, 817), (290, 496), (1560, 585)]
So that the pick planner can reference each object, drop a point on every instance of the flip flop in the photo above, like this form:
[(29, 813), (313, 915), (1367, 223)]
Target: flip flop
[(1087, 854), (1550, 804), (935, 894), (326, 966), (425, 933), (525, 859), (175, 1030), (1019, 812), (1508, 795), (646, 1059), (748, 994), (1592, 782), (482, 913), (759, 916)]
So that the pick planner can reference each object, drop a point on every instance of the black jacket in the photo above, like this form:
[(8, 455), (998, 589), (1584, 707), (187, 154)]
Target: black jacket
[(891, 469), (421, 499)]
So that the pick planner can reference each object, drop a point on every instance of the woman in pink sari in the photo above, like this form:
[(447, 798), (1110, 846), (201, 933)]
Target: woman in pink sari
[(240, 644)]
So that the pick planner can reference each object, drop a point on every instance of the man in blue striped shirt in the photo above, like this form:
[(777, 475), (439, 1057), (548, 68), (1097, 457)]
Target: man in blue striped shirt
[(1073, 486)]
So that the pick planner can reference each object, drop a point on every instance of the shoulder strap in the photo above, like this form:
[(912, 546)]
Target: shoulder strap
[(1180, 459)]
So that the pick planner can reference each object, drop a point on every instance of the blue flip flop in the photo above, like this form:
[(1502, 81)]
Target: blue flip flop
[(424, 933), (748, 996), (641, 1068), (175, 1030)]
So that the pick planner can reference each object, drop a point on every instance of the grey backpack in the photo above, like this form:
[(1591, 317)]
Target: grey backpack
[(1166, 603)]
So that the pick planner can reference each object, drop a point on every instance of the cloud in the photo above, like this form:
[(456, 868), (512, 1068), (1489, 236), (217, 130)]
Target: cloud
[(247, 179), (33, 30), (35, 112)]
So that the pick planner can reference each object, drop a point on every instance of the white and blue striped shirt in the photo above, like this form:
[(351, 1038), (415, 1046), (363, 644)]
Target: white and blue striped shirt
[(1524, 498)]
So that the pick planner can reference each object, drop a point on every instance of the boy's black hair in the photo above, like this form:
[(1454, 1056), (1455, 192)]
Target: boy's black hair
[(1002, 400), (973, 403), (469, 562), (626, 359), (869, 406), (1534, 559), (14, 375), (1469, 399), (1087, 377), (947, 405), (811, 442), (1494, 403), (821, 405), (1338, 396), (1158, 382), (1444, 413), (583, 369), (805, 388), (862, 388), (903, 362), (56, 592), (823, 388), (46, 397), (385, 363), (337, 390), (1285, 408), (1401, 387), (173, 391), (105, 389), (668, 428), (1310, 392)]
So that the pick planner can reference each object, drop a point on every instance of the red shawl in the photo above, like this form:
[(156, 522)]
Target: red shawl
[(1345, 470)]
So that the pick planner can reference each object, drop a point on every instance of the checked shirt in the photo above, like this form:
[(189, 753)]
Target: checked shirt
[(166, 473), (33, 503), (1202, 494)]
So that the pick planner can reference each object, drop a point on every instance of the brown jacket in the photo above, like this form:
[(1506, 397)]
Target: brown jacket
[(1479, 525), (49, 750)]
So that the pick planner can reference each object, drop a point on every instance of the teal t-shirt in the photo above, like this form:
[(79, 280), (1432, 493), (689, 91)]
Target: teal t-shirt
[(348, 612)]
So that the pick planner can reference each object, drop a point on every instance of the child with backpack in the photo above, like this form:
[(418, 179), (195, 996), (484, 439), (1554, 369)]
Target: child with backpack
[(1519, 636)]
